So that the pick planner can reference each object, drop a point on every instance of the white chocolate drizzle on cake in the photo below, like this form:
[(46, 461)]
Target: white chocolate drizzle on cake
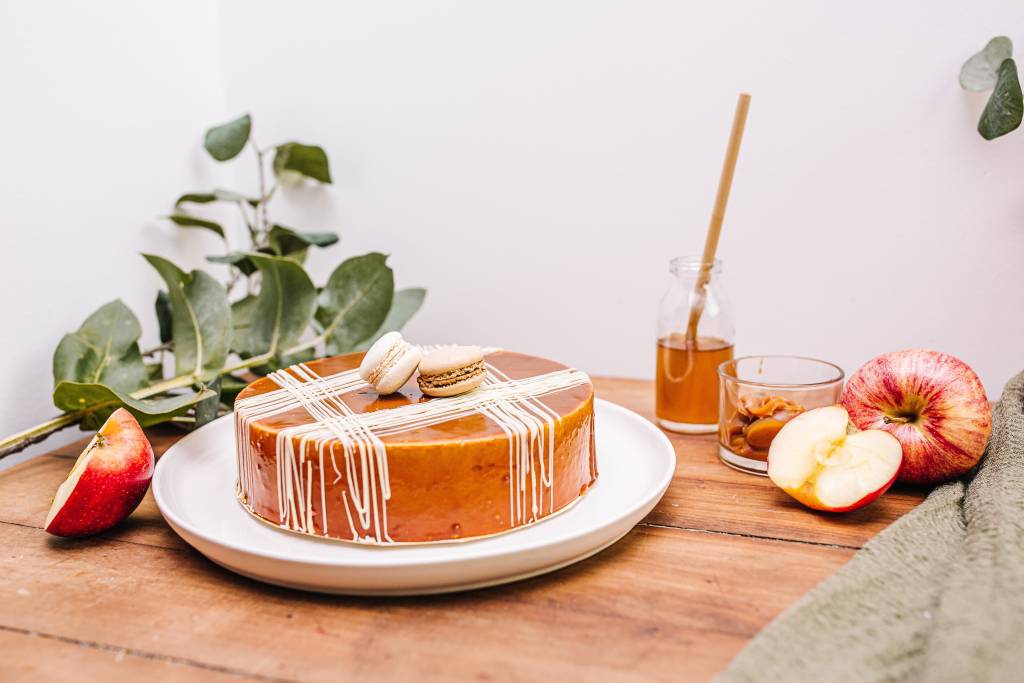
[(513, 405)]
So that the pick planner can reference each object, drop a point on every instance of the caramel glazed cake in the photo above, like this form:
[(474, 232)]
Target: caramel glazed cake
[(321, 453)]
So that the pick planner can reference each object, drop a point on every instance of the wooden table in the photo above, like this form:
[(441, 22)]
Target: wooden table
[(720, 556)]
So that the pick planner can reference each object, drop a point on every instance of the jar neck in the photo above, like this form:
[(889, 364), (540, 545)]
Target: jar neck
[(690, 266)]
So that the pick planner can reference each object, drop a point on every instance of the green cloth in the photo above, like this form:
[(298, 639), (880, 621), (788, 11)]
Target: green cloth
[(938, 596)]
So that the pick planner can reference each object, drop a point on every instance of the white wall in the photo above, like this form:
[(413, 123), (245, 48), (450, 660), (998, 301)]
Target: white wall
[(534, 164), (102, 116)]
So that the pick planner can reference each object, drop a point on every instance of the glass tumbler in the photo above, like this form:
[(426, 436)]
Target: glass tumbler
[(686, 383), (759, 394)]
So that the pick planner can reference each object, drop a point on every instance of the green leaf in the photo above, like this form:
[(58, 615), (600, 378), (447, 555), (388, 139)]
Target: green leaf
[(355, 301), (283, 361), (100, 401), (404, 305), (230, 388), (237, 259), (206, 410), (200, 319), (215, 196), (103, 350), (193, 222), (981, 71), (307, 160), (241, 315), (281, 311), (163, 315), (1005, 107), (293, 244), (155, 371), (225, 141)]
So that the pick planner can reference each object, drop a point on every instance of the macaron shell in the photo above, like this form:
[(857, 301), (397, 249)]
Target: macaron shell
[(454, 389), (448, 358), (377, 353), (395, 377)]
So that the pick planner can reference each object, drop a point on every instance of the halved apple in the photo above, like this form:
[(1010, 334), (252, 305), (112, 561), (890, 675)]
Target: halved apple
[(107, 482), (824, 462)]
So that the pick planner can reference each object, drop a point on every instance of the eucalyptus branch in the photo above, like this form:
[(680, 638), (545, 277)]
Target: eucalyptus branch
[(166, 346), (357, 296), (22, 440), (263, 217)]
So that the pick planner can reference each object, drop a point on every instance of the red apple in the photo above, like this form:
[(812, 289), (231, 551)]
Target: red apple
[(826, 464), (107, 482), (932, 402)]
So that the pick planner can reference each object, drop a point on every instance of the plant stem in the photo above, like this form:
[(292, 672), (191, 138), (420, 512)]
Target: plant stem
[(166, 346), (262, 216), (22, 440)]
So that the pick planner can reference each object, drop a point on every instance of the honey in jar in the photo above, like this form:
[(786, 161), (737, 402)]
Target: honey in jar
[(695, 333), (686, 379)]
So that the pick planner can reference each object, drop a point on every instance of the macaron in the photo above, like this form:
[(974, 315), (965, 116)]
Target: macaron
[(389, 363), (451, 370)]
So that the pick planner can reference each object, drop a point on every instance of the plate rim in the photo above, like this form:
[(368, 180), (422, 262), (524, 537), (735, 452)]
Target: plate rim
[(464, 552)]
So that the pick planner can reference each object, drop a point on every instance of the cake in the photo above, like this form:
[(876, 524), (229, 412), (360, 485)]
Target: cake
[(320, 452)]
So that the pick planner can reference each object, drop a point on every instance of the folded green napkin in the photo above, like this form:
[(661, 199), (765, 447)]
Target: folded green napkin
[(938, 596)]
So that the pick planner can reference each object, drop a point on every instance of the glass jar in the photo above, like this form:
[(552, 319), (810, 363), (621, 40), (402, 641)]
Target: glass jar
[(686, 378), (759, 394)]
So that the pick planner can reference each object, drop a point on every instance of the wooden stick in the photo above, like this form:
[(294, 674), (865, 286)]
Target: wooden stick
[(717, 216)]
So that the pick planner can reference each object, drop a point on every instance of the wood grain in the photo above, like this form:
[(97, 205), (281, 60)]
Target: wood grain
[(707, 495), (721, 555), (43, 658)]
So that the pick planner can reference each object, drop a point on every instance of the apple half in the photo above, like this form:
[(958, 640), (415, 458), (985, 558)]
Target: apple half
[(108, 481), (824, 462)]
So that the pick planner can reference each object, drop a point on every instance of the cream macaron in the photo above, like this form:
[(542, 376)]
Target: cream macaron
[(451, 370), (389, 363)]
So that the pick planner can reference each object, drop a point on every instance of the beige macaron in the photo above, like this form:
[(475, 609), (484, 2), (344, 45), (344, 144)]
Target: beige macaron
[(451, 370), (389, 363)]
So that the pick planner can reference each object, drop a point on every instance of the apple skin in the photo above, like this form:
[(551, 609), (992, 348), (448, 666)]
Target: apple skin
[(810, 500), (108, 481), (932, 402)]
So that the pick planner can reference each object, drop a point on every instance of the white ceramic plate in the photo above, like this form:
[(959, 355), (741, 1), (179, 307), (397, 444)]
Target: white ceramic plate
[(194, 487)]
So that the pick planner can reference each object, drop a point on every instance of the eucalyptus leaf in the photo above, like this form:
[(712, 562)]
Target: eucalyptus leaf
[(981, 71), (241, 315), (99, 401), (403, 306), (162, 305), (186, 221), (281, 311), (206, 410), (230, 387), (215, 196), (284, 361), (1005, 106), (355, 301), (200, 319), (225, 141), (104, 350), (237, 259), (307, 160), (285, 241), (155, 371)]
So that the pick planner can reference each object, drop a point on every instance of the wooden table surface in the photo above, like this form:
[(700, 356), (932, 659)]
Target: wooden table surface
[(718, 558)]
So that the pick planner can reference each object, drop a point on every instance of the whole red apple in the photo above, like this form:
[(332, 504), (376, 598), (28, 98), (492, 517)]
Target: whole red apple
[(934, 405), (107, 482)]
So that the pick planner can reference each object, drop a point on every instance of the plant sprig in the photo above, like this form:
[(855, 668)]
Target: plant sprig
[(281, 318), (994, 69)]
